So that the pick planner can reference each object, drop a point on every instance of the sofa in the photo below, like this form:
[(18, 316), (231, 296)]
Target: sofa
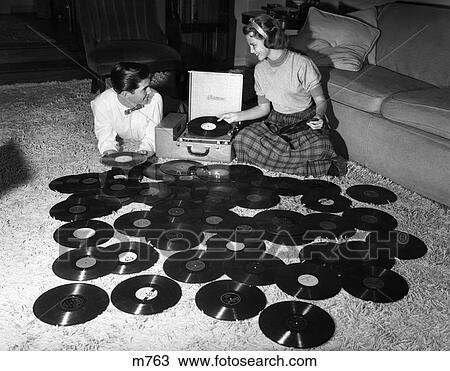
[(392, 111)]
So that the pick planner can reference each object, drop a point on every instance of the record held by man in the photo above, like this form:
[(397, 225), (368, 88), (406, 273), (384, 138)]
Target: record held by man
[(124, 160)]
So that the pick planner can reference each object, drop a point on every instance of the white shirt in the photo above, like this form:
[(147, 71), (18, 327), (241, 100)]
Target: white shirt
[(110, 120)]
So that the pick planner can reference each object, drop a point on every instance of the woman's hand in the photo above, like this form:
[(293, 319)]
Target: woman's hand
[(316, 123), (229, 117)]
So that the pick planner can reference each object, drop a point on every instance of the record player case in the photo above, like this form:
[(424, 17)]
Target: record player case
[(210, 94)]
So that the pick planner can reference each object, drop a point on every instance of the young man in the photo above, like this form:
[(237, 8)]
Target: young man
[(130, 109)]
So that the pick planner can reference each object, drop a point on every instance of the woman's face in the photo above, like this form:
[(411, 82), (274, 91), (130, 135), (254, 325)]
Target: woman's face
[(257, 47)]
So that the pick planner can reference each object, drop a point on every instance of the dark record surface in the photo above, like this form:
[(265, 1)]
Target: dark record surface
[(70, 304), (214, 172), (371, 194), (254, 268), (208, 127), (146, 294), (227, 249), (296, 324), (137, 224), (326, 225), (83, 233), (369, 219), (177, 237), (276, 221), (326, 202), (133, 256), (372, 283), (241, 230), (229, 300), (194, 266), (244, 173), (121, 188), (124, 160), (83, 208), (402, 245), (258, 198), (282, 186), (76, 183), (179, 167), (217, 220), (85, 264), (152, 193), (320, 186), (176, 211), (308, 281)]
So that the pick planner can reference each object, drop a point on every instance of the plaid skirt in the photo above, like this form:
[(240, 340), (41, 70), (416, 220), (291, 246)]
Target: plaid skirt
[(307, 152)]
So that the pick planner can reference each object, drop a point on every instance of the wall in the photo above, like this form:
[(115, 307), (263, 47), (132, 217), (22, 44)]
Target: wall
[(16, 6)]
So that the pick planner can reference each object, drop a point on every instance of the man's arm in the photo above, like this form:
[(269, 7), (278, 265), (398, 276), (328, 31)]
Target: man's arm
[(104, 132)]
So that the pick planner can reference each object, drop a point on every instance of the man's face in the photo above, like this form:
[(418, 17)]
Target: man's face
[(257, 47), (142, 95)]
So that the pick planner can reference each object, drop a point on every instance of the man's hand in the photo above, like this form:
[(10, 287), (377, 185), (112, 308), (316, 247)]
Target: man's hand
[(316, 123)]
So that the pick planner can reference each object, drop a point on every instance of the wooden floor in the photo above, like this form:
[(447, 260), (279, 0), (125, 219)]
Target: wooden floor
[(54, 54)]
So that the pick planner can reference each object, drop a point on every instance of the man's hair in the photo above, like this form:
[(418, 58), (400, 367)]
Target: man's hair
[(276, 37), (126, 76)]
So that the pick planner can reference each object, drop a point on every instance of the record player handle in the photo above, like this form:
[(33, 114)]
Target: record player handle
[(198, 154)]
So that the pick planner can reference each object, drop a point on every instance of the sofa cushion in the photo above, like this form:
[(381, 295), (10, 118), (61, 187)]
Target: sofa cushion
[(335, 40), (428, 110), (368, 88), (415, 41)]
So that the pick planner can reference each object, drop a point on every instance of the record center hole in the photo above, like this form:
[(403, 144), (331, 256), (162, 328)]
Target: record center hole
[(373, 283), (327, 225), (175, 211), (213, 220), (117, 187), (77, 209), (146, 293), (235, 246), (123, 159), (86, 262), (89, 181), (72, 303), (371, 194), (208, 126), (195, 265), (230, 298), (307, 280), (255, 198), (83, 233), (142, 223), (296, 323), (255, 267), (369, 219), (127, 257), (326, 201)]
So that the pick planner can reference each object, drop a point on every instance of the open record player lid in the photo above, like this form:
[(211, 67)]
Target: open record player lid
[(214, 93)]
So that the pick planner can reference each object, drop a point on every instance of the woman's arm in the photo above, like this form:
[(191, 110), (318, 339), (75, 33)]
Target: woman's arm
[(253, 113), (316, 122)]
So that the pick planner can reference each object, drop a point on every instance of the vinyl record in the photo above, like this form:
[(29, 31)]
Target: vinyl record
[(122, 188), (229, 300), (296, 324), (85, 264), (277, 221), (212, 221), (83, 208), (146, 294), (369, 219), (401, 245), (326, 225), (137, 224), (133, 256), (193, 190), (227, 249), (253, 268), (179, 167), (308, 281), (241, 229), (221, 196), (177, 237), (76, 183), (176, 211), (282, 186), (319, 186), (214, 173), (83, 233), (194, 266), (371, 194), (258, 198), (375, 284), (110, 201), (324, 252), (244, 173), (123, 160), (70, 304), (154, 172), (208, 127), (152, 193), (326, 202)]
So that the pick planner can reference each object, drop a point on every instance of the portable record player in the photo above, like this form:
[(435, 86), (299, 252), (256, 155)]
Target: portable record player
[(199, 136)]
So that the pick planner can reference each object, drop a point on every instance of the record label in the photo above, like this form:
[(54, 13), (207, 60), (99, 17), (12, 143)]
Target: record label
[(208, 127), (327, 203)]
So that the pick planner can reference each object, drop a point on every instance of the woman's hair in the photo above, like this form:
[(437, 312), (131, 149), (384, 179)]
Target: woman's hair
[(269, 29), (126, 76)]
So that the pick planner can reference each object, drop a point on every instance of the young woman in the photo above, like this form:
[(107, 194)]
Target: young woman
[(292, 138), (130, 109)]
